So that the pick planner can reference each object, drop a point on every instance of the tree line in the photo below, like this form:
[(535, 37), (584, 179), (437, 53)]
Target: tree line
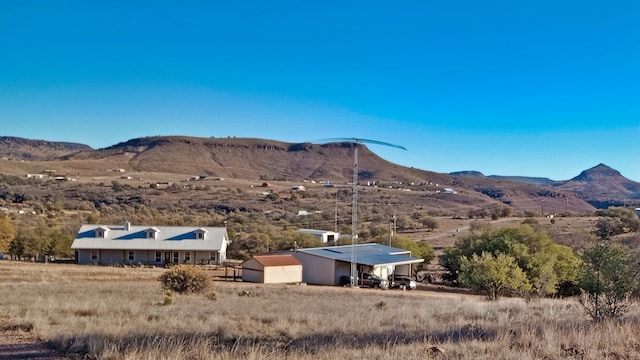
[(525, 261)]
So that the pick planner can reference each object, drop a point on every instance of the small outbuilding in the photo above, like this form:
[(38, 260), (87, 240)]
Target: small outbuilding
[(272, 269), (324, 236)]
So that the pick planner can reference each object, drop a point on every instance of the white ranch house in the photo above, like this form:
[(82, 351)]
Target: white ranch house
[(150, 245)]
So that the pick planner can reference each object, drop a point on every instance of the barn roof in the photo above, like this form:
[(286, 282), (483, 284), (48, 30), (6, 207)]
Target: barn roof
[(276, 260), (367, 254)]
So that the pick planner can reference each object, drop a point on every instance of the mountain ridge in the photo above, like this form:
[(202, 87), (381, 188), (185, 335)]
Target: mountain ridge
[(246, 158)]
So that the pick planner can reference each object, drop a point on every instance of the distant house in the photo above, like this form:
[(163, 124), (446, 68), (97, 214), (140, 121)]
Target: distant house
[(272, 269), (150, 245), (298, 188), (306, 213), (324, 236), (160, 185)]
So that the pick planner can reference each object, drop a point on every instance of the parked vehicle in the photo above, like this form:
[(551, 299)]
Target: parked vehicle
[(373, 281), (367, 280), (345, 280), (403, 282)]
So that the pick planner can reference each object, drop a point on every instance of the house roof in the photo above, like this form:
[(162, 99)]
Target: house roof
[(276, 260), (135, 238), (315, 231), (367, 254)]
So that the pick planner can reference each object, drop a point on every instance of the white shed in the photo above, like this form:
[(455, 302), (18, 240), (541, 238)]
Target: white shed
[(272, 269), (324, 236)]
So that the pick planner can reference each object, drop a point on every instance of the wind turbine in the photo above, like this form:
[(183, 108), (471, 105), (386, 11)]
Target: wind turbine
[(354, 203)]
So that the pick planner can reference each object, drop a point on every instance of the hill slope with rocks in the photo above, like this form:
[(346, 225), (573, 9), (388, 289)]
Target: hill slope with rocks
[(181, 157)]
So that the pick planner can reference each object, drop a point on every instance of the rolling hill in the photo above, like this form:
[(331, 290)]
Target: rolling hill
[(180, 157)]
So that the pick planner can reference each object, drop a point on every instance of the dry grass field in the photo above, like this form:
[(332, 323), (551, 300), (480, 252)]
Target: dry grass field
[(88, 312)]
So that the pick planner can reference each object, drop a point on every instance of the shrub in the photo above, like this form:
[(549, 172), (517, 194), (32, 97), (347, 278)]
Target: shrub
[(168, 297), (608, 280), (211, 295), (185, 279)]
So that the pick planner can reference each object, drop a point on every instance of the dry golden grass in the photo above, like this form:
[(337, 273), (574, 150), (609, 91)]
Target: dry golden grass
[(115, 313)]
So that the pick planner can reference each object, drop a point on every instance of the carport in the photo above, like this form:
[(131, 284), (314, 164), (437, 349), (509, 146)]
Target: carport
[(325, 265)]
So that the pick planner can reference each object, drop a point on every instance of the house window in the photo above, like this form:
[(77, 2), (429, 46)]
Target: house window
[(212, 257), (200, 235), (100, 233), (176, 257), (150, 235), (158, 256), (94, 255), (187, 256), (132, 256)]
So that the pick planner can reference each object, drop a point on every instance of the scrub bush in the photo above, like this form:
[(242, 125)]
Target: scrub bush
[(185, 279)]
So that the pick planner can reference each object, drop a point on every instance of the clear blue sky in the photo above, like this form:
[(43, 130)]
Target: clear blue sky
[(532, 88)]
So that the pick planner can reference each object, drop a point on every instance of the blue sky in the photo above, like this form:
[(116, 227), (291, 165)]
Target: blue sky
[(532, 88)]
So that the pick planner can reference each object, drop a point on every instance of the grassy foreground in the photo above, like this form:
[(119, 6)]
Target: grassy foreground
[(89, 312)]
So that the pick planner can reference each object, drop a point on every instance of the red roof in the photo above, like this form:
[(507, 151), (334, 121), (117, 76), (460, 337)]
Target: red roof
[(277, 260)]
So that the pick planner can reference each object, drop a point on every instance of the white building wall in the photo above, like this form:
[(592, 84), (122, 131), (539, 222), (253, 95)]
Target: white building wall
[(282, 274), (252, 271), (317, 270), (254, 276), (206, 257), (403, 270), (108, 257), (84, 257)]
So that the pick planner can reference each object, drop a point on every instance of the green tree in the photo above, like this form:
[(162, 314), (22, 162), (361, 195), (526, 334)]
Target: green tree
[(429, 223), (608, 280), (60, 244), (16, 248), (7, 233), (29, 243), (494, 275), (545, 263)]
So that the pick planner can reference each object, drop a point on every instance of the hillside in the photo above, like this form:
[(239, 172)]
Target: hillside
[(177, 158), (602, 186), (27, 149)]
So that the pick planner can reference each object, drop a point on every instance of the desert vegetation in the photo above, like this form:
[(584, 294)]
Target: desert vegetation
[(88, 312)]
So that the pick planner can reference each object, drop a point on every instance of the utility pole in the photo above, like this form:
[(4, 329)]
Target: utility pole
[(336, 214), (390, 232), (395, 224)]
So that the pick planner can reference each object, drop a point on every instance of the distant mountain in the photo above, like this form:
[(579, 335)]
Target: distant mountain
[(520, 179), (467, 173), (525, 179), (261, 159), (27, 149), (602, 186)]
